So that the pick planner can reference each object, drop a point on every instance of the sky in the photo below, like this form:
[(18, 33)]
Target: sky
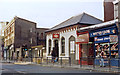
[(48, 13)]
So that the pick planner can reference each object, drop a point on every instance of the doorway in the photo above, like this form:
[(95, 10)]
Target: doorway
[(56, 47), (86, 52), (72, 49)]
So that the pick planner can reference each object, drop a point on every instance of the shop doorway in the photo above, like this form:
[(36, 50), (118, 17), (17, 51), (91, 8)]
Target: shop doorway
[(86, 51), (72, 49), (56, 48)]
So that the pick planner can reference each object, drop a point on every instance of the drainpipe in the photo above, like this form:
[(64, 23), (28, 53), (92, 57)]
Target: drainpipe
[(119, 32)]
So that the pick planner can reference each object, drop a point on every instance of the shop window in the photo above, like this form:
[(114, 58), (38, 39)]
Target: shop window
[(85, 50), (49, 46), (110, 49), (102, 46), (63, 44), (114, 49)]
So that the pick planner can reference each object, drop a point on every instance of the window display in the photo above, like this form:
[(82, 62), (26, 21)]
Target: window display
[(110, 50), (114, 49), (105, 47)]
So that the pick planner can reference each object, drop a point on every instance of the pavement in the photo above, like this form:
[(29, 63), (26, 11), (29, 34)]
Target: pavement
[(85, 67)]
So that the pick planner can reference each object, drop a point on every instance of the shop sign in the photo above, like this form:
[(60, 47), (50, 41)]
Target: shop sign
[(103, 32), (113, 38), (55, 35), (83, 38), (101, 39)]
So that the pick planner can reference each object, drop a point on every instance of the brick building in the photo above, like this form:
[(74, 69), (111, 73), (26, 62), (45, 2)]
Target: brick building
[(41, 37), (3, 25), (39, 50), (19, 32), (108, 10)]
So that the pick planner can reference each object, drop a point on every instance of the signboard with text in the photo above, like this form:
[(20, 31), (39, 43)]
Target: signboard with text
[(82, 38), (101, 39), (103, 32), (113, 38), (55, 35)]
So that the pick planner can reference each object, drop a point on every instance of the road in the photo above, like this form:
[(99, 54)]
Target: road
[(24, 69)]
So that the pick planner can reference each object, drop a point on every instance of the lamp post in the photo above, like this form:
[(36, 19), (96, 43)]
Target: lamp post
[(31, 42)]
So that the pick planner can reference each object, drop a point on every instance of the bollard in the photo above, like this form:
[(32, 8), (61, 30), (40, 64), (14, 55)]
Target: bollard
[(53, 60), (41, 59), (80, 62), (25, 59), (61, 61), (9, 59), (69, 61), (109, 64), (47, 60), (93, 63), (118, 64)]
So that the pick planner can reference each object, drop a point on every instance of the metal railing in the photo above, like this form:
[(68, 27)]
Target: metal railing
[(60, 60), (66, 61), (108, 65)]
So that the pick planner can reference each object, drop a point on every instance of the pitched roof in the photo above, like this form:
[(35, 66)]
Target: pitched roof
[(16, 17), (108, 23), (83, 18)]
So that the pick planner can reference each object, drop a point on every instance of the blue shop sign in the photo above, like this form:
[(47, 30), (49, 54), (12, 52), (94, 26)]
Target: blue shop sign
[(101, 39), (103, 32)]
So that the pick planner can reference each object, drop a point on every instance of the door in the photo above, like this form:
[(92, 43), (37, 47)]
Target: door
[(56, 48), (72, 49)]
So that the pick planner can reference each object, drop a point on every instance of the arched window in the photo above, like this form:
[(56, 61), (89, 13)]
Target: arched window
[(72, 44), (63, 45), (49, 46)]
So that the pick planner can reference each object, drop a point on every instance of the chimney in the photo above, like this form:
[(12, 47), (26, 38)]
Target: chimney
[(108, 10)]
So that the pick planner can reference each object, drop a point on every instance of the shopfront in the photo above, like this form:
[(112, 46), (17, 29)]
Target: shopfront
[(36, 51), (106, 39), (85, 48)]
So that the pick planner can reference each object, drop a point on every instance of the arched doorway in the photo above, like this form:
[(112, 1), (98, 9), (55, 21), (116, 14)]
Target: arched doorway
[(56, 47), (72, 49)]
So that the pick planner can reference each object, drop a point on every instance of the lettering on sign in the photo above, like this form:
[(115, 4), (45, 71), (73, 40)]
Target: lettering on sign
[(113, 38), (55, 35), (101, 39), (103, 32), (83, 38)]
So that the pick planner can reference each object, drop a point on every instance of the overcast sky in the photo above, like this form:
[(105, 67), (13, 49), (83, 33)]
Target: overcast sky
[(48, 13)]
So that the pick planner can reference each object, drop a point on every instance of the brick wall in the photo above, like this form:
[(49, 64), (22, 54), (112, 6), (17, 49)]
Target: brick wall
[(108, 11), (24, 31)]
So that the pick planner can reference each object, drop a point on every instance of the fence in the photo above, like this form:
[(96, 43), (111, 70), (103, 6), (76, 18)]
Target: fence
[(59, 61), (85, 62)]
